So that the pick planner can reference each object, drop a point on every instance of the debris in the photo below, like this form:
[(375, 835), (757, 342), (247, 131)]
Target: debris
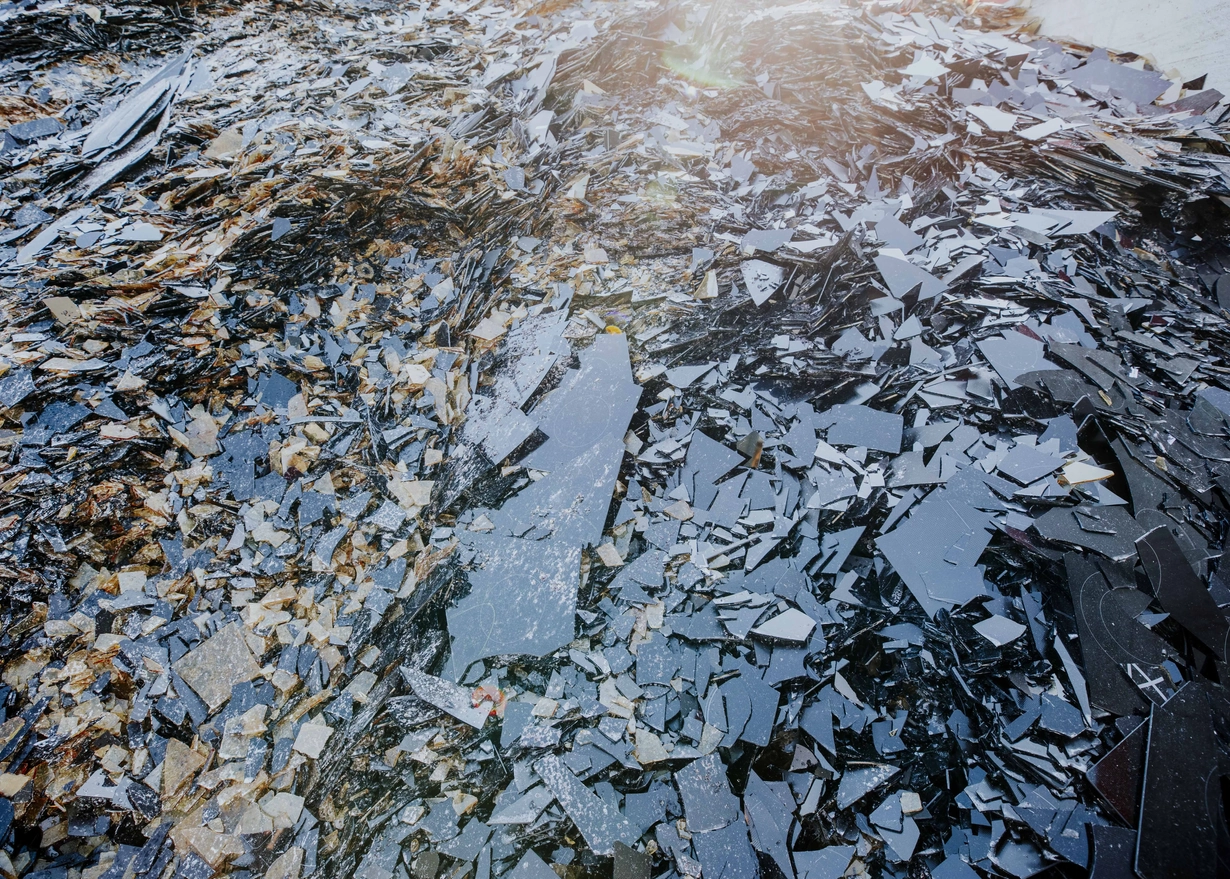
[(698, 439)]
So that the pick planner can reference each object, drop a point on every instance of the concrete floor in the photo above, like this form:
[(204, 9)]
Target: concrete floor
[(1190, 35)]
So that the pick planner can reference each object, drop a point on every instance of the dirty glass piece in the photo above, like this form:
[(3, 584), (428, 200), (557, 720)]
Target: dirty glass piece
[(1119, 775), (275, 391), (448, 697), (854, 344), (597, 820), (61, 417), (769, 818), (1114, 852), (767, 240), (525, 809), (1102, 77), (707, 800), (1182, 754), (236, 465), (35, 129), (544, 580), (219, 664), (388, 517), (1179, 591), (312, 738), (507, 428), (467, 845), (15, 387), (1022, 859), (1123, 660), (596, 405), (1109, 531), (832, 860), (631, 864), (6, 818), (706, 462), (1060, 717), (857, 783), (569, 505), (1027, 465), (919, 550), (726, 852), (762, 279)]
